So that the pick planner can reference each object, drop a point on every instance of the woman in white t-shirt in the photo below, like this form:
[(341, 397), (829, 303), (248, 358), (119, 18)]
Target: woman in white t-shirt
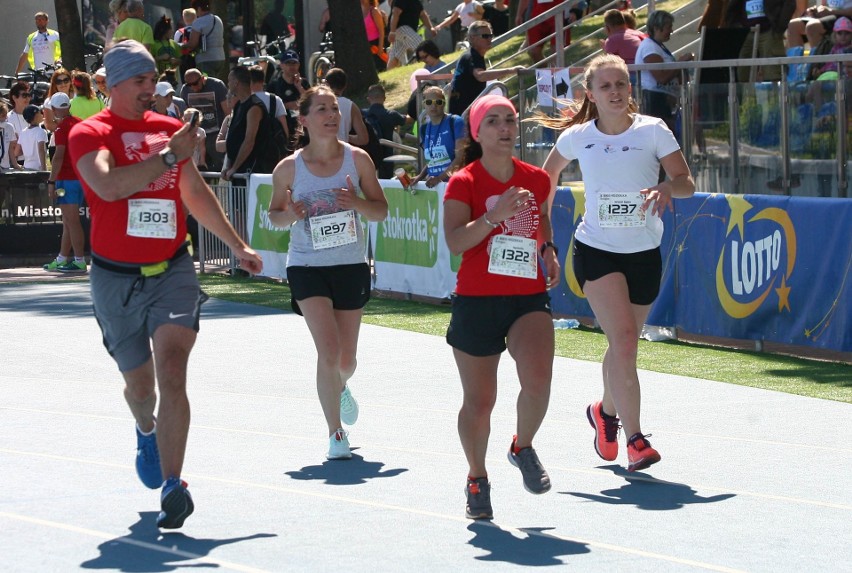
[(660, 88), (616, 257)]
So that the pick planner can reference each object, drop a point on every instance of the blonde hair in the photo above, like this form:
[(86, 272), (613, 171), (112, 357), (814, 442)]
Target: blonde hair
[(577, 113)]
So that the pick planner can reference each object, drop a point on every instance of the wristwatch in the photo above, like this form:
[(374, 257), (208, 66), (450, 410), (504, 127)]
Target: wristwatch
[(544, 247), (169, 158)]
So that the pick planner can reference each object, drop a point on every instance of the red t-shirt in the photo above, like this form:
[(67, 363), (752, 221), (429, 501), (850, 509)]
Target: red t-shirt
[(475, 187), (60, 137), (114, 235)]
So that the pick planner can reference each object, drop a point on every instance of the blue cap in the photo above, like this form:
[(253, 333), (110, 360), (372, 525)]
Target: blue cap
[(289, 56)]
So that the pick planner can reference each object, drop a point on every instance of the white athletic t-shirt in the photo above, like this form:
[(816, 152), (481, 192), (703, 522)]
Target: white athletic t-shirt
[(623, 163)]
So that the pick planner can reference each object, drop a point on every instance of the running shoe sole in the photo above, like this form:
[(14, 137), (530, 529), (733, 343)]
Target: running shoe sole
[(644, 463), (176, 506)]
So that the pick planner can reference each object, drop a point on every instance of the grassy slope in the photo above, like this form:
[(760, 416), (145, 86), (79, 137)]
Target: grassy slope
[(786, 374)]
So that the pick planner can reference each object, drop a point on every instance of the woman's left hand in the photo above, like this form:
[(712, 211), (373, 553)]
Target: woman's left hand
[(347, 198), (660, 196)]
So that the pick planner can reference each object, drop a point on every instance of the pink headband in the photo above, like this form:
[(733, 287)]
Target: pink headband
[(481, 107)]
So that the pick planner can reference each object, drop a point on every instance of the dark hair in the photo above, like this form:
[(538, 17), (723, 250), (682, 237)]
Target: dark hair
[(336, 79), (257, 74), (201, 4), (163, 25), (82, 82), (471, 149), (614, 18), (301, 137), (428, 47), (17, 89), (242, 75)]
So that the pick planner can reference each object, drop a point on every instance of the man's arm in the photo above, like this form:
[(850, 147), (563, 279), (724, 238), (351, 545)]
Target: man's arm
[(204, 206), (427, 23), (112, 183), (22, 62), (495, 73)]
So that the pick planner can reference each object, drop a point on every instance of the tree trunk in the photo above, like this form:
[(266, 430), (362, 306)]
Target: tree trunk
[(351, 49), (71, 34)]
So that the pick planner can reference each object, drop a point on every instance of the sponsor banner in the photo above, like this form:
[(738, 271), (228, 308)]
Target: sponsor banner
[(410, 252), (748, 267), (269, 241)]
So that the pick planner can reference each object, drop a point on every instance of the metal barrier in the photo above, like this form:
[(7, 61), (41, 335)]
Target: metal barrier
[(213, 254)]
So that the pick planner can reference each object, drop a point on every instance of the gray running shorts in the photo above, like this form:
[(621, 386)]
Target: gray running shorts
[(129, 308)]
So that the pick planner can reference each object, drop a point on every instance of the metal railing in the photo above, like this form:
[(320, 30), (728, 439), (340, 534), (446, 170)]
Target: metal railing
[(213, 254)]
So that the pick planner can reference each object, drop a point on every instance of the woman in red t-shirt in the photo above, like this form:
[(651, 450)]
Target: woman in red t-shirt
[(495, 215)]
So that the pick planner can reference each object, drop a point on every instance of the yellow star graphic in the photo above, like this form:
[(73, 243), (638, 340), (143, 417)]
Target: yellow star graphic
[(739, 207), (783, 295)]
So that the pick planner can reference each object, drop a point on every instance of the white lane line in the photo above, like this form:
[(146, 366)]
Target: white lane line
[(135, 542)]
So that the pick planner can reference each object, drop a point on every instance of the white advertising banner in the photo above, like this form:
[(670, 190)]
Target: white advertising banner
[(269, 241), (411, 255)]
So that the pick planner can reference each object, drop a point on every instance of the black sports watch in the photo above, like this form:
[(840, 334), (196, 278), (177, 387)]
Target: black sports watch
[(169, 158), (550, 244)]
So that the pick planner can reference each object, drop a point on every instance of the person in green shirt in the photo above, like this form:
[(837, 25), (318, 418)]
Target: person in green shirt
[(130, 14), (165, 50), (85, 103)]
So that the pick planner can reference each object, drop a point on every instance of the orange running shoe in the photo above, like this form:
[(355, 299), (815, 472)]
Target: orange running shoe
[(640, 454), (606, 432)]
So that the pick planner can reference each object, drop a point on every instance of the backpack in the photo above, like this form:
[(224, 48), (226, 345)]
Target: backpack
[(373, 148), (275, 146)]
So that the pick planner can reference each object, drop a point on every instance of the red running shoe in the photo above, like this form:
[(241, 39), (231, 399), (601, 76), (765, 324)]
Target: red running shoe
[(606, 432), (640, 454)]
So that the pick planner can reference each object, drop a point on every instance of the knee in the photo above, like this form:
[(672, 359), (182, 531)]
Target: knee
[(347, 366), (814, 28), (625, 344), (479, 405), (537, 384)]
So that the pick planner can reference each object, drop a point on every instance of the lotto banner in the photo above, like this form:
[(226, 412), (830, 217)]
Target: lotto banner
[(269, 241), (409, 249), (749, 267)]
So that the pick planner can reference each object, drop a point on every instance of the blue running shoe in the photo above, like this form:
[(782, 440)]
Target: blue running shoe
[(148, 459), (176, 504)]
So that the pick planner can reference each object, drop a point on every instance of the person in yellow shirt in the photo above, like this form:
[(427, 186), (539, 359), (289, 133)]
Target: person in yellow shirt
[(131, 14), (42, 47)]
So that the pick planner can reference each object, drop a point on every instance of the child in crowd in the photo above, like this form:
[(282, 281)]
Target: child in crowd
[(33, 140), (8, 141)]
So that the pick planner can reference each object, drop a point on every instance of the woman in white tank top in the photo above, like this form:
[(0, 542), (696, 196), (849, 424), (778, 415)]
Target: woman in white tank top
[(321, 192)]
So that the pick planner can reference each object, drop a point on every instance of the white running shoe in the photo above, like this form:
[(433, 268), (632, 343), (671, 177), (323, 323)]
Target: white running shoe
[(348, 407), (338, 446)]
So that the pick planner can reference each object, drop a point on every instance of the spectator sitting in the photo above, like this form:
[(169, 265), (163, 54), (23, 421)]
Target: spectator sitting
[(841, 39), (621, 40), (350, 115), (388, 120), (131, 14), (33, 141), (817, 23), (430, 55), (772, 21), (441, 138), (85, 103)]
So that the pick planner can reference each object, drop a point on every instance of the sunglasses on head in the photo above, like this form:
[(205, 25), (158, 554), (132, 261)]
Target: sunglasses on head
[(486, 36), (435, 101)]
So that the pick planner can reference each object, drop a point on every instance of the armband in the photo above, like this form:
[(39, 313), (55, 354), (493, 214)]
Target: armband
[(547, 244)]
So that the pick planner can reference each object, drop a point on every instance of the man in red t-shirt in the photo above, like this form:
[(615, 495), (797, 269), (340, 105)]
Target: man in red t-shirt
[(137, 177), (64, 188), (540, 31)]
